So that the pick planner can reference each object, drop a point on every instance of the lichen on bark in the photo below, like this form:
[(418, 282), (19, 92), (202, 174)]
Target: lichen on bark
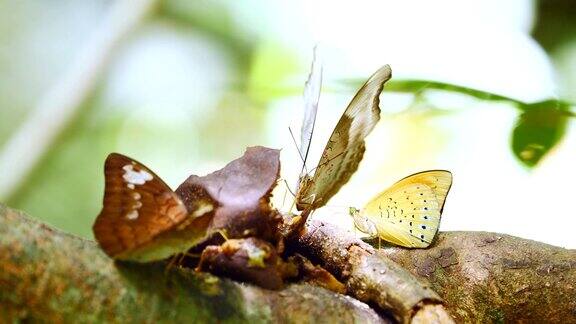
[(47, 275), (50, 276)]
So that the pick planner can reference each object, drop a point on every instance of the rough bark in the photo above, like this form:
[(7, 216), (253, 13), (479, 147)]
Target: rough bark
[(481, 277), (49, 276), (371, 277), (488, 277)]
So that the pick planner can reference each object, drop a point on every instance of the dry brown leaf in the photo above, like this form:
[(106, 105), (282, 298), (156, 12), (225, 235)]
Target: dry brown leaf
[(242, 189)]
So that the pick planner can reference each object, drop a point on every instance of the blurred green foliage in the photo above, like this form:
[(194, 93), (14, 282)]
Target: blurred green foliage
[(539, 127), (66, 187), (74, 161)]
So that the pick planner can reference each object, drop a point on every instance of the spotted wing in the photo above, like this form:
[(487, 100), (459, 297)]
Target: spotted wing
[(138, 206), (345, 147), (439, 181), (409, 212)]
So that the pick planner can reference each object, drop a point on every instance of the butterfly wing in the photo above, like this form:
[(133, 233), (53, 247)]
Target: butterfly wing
[(409, 212), (439, 181), (138, 206), (311, 98), (345, 147)]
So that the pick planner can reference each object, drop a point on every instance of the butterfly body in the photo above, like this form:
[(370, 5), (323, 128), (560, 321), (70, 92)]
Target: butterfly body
[(142, 219), (315, 193), (408, 213)]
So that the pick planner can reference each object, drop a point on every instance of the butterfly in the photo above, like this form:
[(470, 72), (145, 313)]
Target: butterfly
[(142, 219), (345, 147), (408, 213)]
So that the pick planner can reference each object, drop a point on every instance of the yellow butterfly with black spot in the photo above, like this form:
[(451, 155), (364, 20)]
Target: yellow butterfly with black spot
[(408, 213)]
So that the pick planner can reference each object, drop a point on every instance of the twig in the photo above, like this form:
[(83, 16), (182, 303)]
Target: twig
[(369, 276)]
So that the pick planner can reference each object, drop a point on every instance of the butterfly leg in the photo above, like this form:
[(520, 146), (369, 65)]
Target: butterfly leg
[(293, 200), (170, 263), (286, 193), (288, 188), (178, 259), (193, 255), (223, 233), (181, 259), (284, 198), (313, 198), (308, 212)]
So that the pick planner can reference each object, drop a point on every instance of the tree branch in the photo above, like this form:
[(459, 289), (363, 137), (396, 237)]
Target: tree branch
[(49, 276), (371, 277), (488, 277), (481, 277)]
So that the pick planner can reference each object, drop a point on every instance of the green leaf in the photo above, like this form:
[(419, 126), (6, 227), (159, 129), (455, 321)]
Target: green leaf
[(539, 128)]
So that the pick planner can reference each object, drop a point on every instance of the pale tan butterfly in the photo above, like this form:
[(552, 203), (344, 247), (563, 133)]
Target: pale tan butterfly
[(408, 213), (345, 147)]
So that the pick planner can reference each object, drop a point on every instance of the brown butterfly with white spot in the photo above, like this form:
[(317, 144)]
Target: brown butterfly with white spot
[(142, 219)]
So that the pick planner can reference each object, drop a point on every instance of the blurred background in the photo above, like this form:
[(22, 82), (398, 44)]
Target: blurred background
[(481, 88)]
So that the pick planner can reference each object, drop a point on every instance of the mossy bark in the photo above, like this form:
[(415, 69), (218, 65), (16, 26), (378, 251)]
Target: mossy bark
[(49, 276), (46, 275)]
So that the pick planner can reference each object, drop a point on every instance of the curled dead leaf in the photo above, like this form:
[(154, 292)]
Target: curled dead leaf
[(242, 190)]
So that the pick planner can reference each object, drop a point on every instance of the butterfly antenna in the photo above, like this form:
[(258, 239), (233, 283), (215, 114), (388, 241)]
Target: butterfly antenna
[(305, 158), (299, 153)]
